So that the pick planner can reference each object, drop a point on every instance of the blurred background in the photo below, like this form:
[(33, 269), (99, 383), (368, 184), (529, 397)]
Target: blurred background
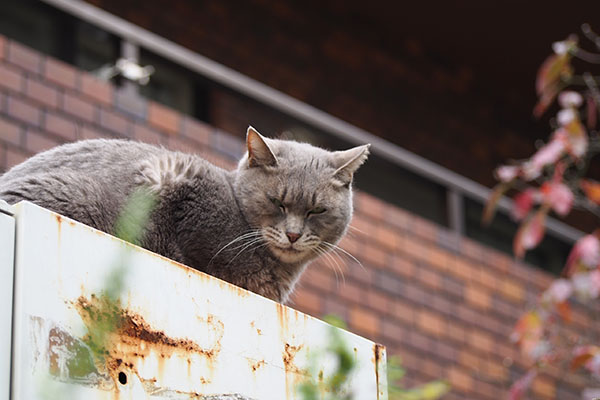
[(444, 91)]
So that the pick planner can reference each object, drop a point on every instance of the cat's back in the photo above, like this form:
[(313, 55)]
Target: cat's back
[(99, 157)]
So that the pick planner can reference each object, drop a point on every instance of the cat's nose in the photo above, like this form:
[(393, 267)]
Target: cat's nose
[(292, 236)]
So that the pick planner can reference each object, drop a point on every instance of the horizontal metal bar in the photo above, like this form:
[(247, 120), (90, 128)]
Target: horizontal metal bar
[(291, 106)]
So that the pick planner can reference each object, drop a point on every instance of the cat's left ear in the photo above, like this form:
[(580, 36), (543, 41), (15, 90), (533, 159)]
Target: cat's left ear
[(348, 161), (259, 153)]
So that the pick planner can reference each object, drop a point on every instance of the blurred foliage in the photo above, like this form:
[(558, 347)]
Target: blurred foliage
[(553, 180), (334, 388)]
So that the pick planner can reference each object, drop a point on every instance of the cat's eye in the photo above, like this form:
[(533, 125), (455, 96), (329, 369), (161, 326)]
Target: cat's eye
[(317, 210), (277, 203)]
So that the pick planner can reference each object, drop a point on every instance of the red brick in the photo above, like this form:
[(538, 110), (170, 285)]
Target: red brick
[(351, 292), (415, 248), (389, 238), (403, 266), (403, 312), (375, 256), (399, 218), (11, 78), (10, 132), (15, 156), (60, 73), (148, 135), (24, 57), (431, 323), (364, 321), (78, 107), (370, 206), (115, 122), (378, 301), (307, 301), (61, 126), (456, 332), (87, 132), (481, 341), (511, 289), (425, 229), (96, 89), (24, 111), (318, 277), (429, 278), (477, 297), (196, 131), (163, 117), (493, 368), (36, 142), (364, 227), (460, 379), (439, 258), (41, 93), (544, 387), (392, 331)]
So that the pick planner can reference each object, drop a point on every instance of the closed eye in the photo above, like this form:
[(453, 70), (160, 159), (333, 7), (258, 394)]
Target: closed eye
[(317, 210), (277, 203)]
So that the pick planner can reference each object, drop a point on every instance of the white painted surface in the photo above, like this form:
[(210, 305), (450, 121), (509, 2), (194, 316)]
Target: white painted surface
[(7, 236), (200, 335)]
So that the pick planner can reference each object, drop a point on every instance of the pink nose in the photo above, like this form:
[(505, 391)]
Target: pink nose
[(292, 236)]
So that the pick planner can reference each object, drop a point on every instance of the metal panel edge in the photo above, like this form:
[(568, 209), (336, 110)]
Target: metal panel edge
[(7, 263)]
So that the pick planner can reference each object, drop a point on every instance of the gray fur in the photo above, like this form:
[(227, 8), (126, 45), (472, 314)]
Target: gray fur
[(203, 211)]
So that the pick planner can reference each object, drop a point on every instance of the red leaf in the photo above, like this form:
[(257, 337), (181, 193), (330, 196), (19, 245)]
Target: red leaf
[(586, 251), (564, 310), (530, 233), (583, 354), (591, 189), (522, 203), (490, 206)]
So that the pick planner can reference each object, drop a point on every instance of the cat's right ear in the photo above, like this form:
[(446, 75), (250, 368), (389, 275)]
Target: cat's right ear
[(259, 153)]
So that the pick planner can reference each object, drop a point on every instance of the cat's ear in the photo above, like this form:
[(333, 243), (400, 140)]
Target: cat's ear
[(348, 161), (259, 153)]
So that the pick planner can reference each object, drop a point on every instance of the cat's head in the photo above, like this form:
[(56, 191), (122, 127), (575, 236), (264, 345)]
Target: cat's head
[(298, 196)]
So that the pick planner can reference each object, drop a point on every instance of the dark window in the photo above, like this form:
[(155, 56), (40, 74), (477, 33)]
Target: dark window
[(176, 87), (58, 34)]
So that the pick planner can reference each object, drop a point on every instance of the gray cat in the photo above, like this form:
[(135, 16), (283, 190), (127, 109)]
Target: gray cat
[(256, 227)]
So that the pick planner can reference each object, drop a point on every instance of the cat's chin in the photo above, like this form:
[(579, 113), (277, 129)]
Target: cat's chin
[(289, 255)]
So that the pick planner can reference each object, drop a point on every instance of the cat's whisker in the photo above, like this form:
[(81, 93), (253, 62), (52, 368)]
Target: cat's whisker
[(252, 242), (247, 235), (338, 248), (356, 229), (322, 253)]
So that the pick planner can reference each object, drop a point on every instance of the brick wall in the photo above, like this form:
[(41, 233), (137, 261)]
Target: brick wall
[(445, 304)]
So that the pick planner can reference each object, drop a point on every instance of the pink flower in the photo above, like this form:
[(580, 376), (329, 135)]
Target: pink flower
[(569, 99), (559, 196), (506, 173), (559, 291), (548, 154)]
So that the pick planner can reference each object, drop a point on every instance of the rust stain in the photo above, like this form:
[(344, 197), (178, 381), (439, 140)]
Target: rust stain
[(289, 353), (377, 351), (256, 365), (134, 339)]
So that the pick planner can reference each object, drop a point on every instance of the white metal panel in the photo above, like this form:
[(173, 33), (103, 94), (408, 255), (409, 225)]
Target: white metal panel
[(183, 334), (7, 246)]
